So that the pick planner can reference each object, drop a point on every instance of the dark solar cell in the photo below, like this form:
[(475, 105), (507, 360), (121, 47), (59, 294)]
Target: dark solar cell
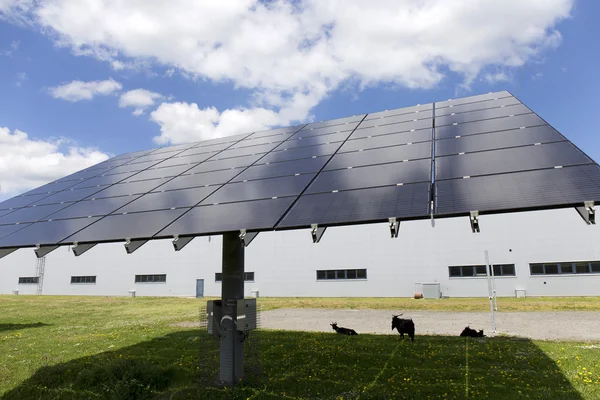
[(204, 149), (45, 233), (481, 115), (301, 152), (92, 208), (129, 226), (244, 151), (262, 140), (369, 128), (378, 175), (394, 139), (273, 132), (380, 156), (51, 187), (227, 163), (202, 179), (263, 171), (361, 205), (69, 195), (260, 189), (490, 125), (123, 189), (480, 105), (298, 141), (179, 147), (398, 111), (309, 132), (520, 190), (509, 160), (171, 199), (155, 173), (21, 201), (103, 180), (497, 140), (6, 230), (394, 119), (187, 160), (332, 122), (31, 214), (251, 215), (472, 99), (81, 175)]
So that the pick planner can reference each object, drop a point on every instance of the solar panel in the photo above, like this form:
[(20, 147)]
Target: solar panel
[(491, 154), (519, 191), (497, 140), (549, 155), (254, 215), (371, 176), (359, 206)]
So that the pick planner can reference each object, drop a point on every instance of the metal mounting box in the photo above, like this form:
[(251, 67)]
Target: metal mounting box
[(246, 315)]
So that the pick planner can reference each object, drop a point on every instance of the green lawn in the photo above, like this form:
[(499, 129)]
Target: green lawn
[(123, 348)]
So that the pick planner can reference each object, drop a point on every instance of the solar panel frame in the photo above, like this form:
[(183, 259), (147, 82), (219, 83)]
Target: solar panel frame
[(349, 158)]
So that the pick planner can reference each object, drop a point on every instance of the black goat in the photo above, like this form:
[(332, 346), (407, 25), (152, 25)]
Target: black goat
[(472, 332), (343, 331), (404, 326)]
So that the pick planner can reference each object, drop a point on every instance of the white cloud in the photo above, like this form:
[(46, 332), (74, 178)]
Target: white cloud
[(279, 49), (537, 76), (78, 90), (14, 46), (497, 77), (27, 163), (140, 99), (21, 78)]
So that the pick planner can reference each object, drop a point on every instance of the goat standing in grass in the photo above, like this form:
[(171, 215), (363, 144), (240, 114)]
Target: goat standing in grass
[(343, 331), (404, 326), (472, 332)]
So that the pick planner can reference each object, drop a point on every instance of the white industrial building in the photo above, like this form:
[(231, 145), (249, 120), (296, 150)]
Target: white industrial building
[(541, 253)]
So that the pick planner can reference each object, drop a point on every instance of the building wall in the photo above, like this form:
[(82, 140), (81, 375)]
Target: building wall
[(284, 263)]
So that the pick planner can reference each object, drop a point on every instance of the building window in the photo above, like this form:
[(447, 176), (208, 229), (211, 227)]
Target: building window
[(341, 274), (151, 278), (248, 276), (27, 280), (469, 271), (83, 279), (565, 268)]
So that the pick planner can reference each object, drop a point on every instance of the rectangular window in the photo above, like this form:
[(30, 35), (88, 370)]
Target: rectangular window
[(162, 278), (248, 276), (341, 274), (83, 279), (467, 271), (565, 268), (28, 280)]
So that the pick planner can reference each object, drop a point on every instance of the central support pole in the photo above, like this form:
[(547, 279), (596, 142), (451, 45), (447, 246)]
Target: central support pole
[(232, 290)]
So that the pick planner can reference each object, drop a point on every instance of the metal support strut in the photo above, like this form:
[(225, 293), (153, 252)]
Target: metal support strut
[(317, 232), (587, 212), (394, 227), (474, 218), (232, 290)]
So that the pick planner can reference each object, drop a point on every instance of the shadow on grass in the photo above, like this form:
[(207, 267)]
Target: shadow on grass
[(14, 327), (302, 365)]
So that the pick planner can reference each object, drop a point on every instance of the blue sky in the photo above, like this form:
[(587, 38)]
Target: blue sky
[(248, 68)]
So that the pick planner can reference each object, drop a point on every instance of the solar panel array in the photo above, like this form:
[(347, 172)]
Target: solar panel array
[(488, 153)]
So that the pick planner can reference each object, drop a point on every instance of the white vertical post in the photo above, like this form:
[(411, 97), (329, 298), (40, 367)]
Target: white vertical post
[(490, 292)]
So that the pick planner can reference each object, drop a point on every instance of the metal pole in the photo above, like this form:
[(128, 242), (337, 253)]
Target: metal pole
[(232, 290), (487, 272), (494, 288)]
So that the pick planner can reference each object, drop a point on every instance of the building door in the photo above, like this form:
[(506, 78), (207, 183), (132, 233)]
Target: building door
[(199, 288)]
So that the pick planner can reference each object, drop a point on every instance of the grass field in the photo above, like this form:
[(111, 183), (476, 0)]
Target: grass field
[(123, 348)]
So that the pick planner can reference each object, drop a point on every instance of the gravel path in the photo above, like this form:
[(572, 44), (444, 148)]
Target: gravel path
[(571, 325)]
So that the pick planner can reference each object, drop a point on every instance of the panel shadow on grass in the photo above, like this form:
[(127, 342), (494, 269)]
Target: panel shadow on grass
[(14, 327), (302, 365)]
